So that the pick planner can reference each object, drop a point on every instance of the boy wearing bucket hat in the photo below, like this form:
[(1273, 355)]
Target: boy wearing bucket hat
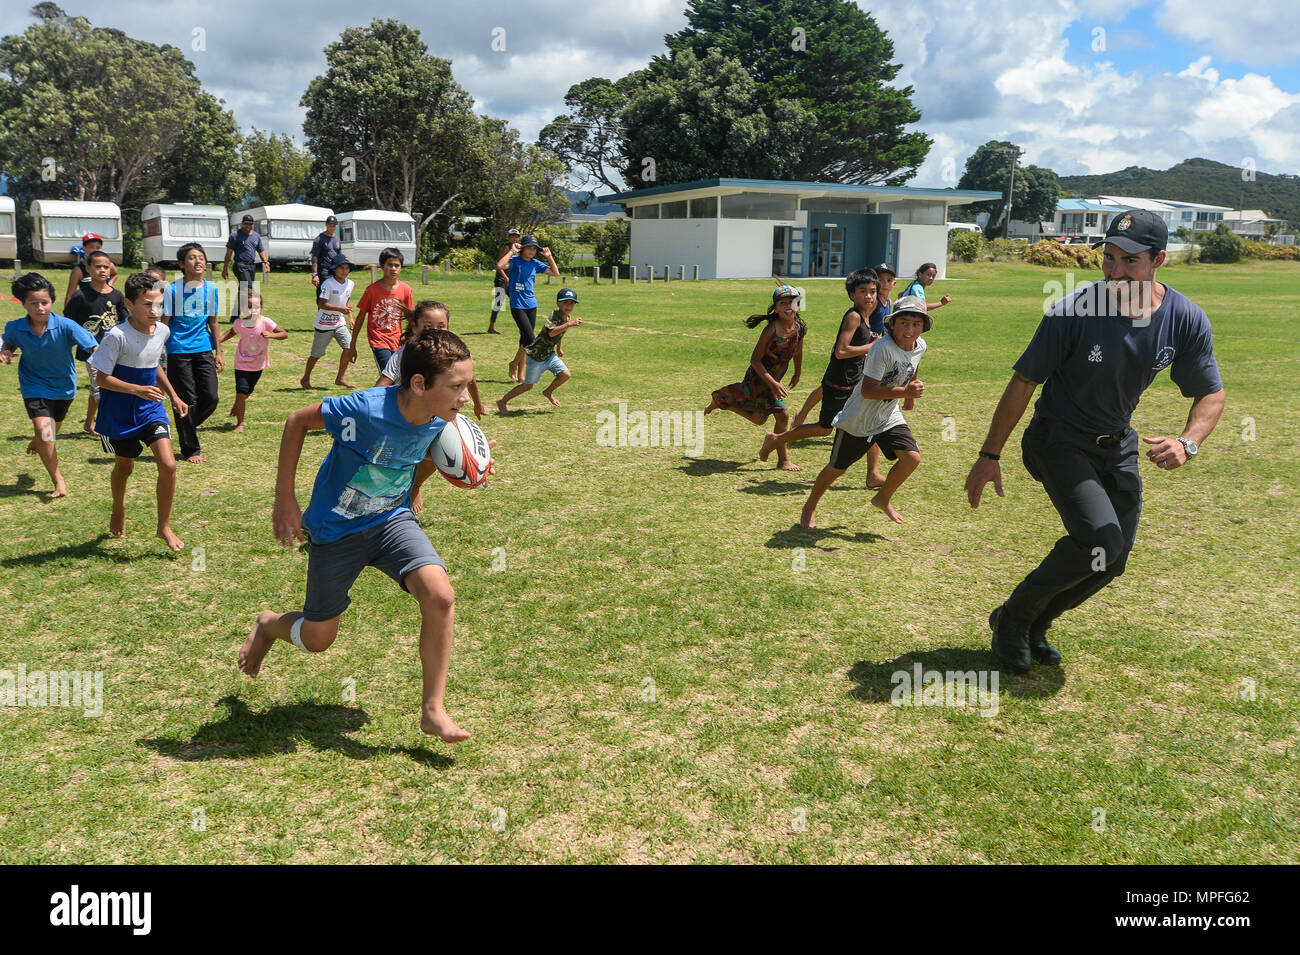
[(541, 355), (332, 320), (871, 415)]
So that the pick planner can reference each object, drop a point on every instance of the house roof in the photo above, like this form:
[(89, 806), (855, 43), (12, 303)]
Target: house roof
[(811, 189), (1082, 205)]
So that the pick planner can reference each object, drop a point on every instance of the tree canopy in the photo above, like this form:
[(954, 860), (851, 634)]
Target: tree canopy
[(1037, 189)]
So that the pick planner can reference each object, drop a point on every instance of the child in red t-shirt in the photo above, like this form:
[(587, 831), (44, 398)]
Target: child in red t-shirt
[(386, 303)]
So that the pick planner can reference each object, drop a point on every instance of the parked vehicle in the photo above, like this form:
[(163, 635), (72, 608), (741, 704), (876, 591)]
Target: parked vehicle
[(168, 226), (59, 224), (286, 230)]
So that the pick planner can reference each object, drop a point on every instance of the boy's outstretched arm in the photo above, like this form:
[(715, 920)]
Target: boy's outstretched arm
[(286, 516)]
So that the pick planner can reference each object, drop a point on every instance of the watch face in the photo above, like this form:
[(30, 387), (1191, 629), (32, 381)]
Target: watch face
[(1191, 446)]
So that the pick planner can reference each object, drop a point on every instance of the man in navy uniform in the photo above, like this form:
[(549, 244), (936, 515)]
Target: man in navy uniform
[(1095, 352)]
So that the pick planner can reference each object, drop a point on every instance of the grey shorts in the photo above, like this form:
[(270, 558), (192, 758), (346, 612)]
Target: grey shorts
[(396, 547), (321, 340)]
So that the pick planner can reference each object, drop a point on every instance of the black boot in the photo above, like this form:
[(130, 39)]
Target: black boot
[(1010, 641), (1042, 651)]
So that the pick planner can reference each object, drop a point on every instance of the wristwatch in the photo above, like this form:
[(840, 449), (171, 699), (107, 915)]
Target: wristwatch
[(1190, 446)]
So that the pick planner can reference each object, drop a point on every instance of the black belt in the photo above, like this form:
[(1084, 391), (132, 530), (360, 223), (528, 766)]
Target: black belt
[(1101, 440)]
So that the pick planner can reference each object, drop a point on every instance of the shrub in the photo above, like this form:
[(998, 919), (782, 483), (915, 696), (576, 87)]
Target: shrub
[(588, 233), (464, 258), (1001, 250), (1054, 254), (1223, 245), (559, 239), (1263, 250), (611, 244), (964, 245)]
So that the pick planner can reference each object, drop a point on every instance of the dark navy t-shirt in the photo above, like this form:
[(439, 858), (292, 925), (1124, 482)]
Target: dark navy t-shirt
[(1094, 364), (324, 249), (878, 316), (245, 245)]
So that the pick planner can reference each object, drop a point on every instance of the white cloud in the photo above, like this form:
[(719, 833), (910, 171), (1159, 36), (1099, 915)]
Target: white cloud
[(1259, 32)]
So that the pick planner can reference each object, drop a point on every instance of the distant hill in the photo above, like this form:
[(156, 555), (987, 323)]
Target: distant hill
[(1197, 180)]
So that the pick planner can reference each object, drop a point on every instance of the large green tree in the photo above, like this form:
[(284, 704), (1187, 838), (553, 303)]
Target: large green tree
[(92, 113), (388, 126), (694, 117), (834, 60), (278, 170), (521, 184), (1037, 190), (589, 138)]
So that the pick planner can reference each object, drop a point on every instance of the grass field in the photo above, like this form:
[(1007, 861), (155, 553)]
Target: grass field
[(667, 668)]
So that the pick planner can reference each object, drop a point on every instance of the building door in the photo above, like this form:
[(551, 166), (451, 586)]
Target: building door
[(789, 252), (828, 252)]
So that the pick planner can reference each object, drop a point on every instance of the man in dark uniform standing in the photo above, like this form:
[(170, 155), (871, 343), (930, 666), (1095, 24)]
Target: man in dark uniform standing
[(324, 250), (1095, 352), (246, 247), (500, 284)]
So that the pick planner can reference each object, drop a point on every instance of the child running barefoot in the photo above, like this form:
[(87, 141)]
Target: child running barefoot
[(760, 393), (871, 414), (521, 268), (47, 374), (545, 352), (131, 414), (359, 515), (852, 343), (253, 356), (332, 314), (427, 315)]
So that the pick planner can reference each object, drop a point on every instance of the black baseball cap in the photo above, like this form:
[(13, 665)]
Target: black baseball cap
[(1137, 230), (330, 220), (884, 267), (246, 219)]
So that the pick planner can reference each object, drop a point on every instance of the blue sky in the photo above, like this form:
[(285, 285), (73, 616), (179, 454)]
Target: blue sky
[(1176, 78)]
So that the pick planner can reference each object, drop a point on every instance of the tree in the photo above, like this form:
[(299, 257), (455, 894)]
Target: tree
[(207, 165), (278, 169), (1037, 190), (612, 243), (388, 126), (588, 138), (695, 118), (92, 113), (1222, 245), (518, 185), (831, 58)]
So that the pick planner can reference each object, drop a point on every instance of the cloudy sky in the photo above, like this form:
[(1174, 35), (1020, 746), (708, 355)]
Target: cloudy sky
[(1085, 86)]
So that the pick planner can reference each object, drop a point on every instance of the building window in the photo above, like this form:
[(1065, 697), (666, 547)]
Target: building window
[(914, 212), (705, 208), (835, 204), (673, 210), (650, 211), (758, 205)]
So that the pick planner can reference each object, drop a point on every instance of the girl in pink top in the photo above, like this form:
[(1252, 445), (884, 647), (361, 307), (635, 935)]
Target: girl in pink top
[(253, 354)]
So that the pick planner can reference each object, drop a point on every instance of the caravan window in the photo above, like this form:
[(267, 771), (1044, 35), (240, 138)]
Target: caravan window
[(374, 230), (194, 227), (74, 227), (6, 223), (295, 229)]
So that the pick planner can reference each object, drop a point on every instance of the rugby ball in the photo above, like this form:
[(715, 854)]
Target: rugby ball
[(461, 453)]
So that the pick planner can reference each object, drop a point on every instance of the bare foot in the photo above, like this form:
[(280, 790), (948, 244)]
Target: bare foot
[(305, 382), (501, 406), (239, 428), (117, 523), (788, 465), (417, 502), (343, 384), (769, 445), (196, 459), (173, 542), (807, 520), (875, 482), (257, 645), (551, 399), (492, 331), (888, 508), (60, 489), (439, 724)]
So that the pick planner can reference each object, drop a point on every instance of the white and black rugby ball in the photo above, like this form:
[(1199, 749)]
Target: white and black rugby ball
[(461, 453)]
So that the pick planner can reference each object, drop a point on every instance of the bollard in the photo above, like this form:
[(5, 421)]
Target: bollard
[(18, 269), (665, 274), (631, 273), (374, 274), (595, 275), (613, 278), (696, 275), (649, 274), (681, 273), (424, 275)]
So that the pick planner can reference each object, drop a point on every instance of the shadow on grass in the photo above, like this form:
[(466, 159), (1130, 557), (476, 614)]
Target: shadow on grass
[(772, 487), (242, 734), (703, 467), (85, 550), (797, 536), (23, 484), (876, 683)]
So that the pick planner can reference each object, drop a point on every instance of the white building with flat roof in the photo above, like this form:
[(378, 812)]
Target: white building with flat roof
[(757, 228)]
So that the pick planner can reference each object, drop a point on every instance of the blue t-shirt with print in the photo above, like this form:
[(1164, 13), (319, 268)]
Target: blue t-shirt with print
[(45, 365), (366, 477), (1094, 363), (189, 309), (521, 274)]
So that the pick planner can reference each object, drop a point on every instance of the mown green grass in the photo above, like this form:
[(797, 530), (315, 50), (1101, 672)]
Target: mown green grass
[(769, 735)]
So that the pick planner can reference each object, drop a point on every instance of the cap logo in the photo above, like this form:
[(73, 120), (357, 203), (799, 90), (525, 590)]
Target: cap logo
[(1123, 223)]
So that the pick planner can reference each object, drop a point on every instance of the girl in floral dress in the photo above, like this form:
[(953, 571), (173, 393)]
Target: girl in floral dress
[(761, 393)]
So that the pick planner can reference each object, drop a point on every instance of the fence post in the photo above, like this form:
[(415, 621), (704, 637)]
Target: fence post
[(614, 276), (681, 273), (696, 275), (18, 269), (595, 275), (631, 271), (374, 276), (665, 274), (424, 275), (650, 273)]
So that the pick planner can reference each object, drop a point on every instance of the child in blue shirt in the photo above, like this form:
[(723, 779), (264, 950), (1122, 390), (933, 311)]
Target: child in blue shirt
[(193, 349), (360, 512), (522, 268), (47, 373)]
